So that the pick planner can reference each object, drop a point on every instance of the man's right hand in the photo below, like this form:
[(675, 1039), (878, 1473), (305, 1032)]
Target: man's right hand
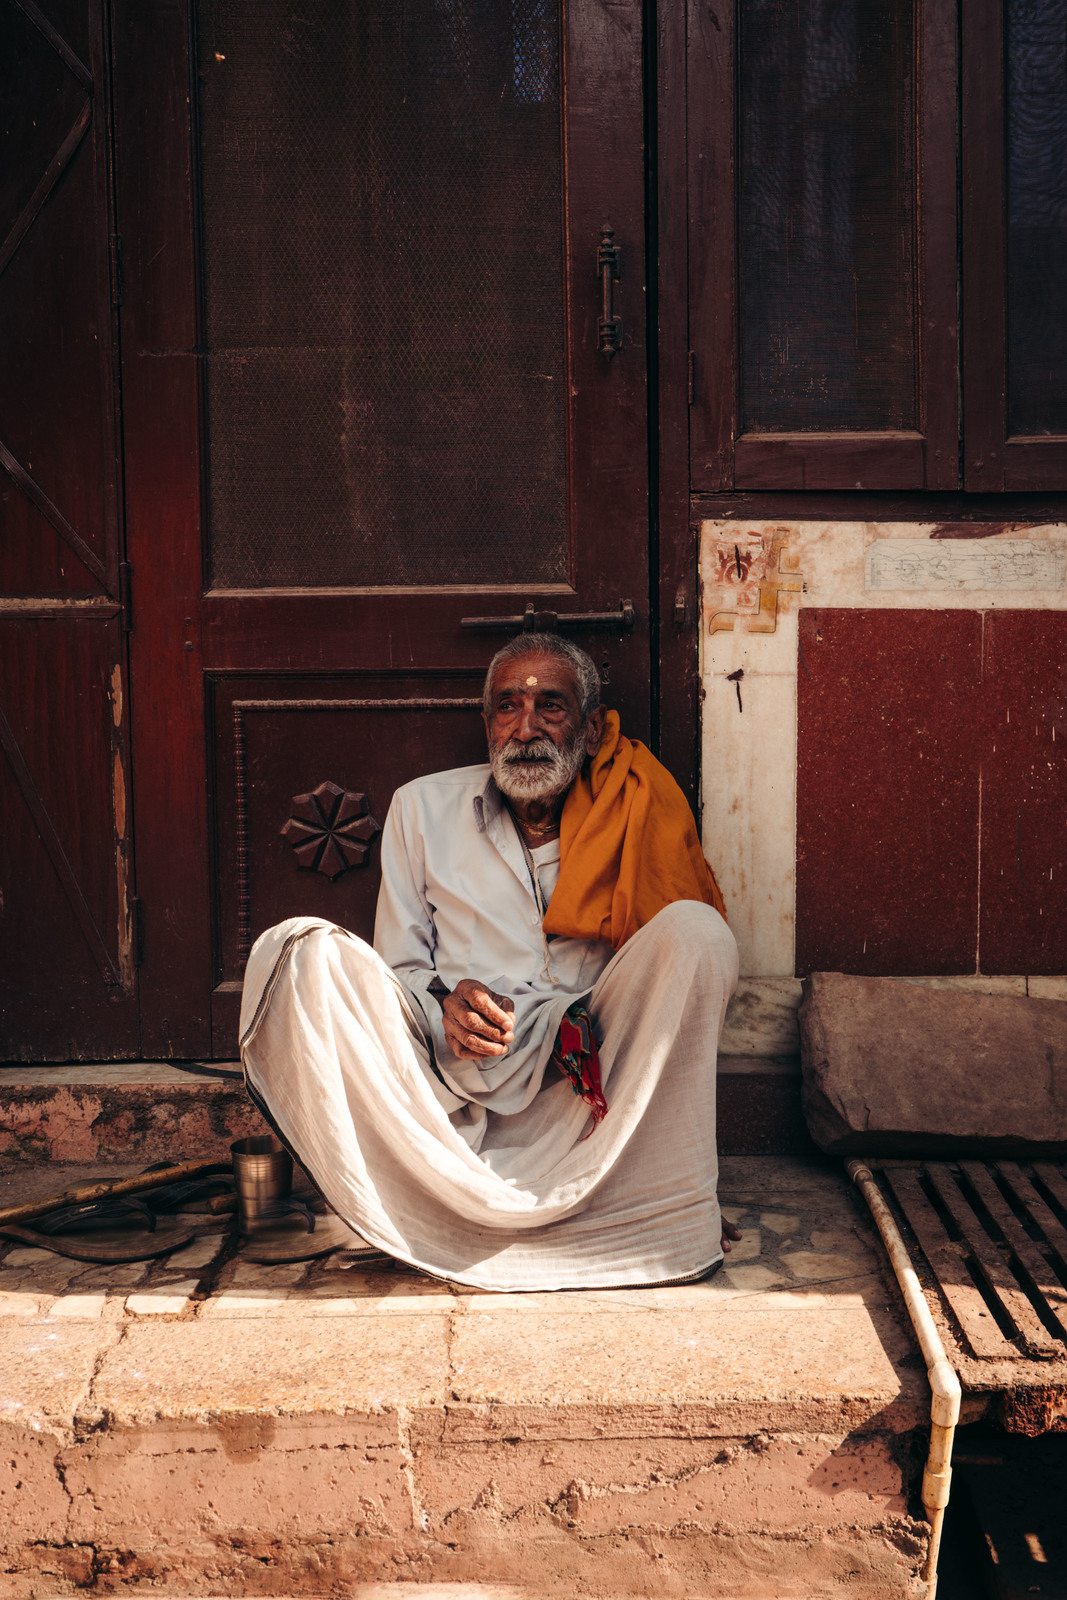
[(477, 1022)]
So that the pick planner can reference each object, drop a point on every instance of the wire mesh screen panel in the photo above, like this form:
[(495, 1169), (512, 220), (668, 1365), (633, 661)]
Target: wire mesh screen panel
[(384, 292), (827, 234), (1037, 216)]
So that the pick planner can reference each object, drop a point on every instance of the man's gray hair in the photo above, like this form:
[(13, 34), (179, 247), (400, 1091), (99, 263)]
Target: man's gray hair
[(586, 676)]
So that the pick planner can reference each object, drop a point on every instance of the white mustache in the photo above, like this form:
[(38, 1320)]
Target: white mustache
[(539, 750)]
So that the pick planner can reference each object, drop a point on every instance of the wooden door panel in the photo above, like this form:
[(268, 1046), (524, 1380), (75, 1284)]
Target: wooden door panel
[(66, 929), (343, 631), (383, 287), (282, 845), (57, 440)]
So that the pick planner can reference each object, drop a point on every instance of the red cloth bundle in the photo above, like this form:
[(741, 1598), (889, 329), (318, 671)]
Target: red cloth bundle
[(575, 1054)]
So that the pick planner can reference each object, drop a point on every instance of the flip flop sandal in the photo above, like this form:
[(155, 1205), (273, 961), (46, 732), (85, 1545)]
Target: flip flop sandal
[(116, 1229), (189, 1194), (293, 1232)]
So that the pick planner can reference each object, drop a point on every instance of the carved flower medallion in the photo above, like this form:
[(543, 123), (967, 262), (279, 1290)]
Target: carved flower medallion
[(330, 829)]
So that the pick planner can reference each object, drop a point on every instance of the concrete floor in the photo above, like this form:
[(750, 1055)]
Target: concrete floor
[(205, 1426)]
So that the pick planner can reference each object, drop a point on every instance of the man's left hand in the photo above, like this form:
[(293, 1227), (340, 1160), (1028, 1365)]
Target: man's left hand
[(477, 1022)]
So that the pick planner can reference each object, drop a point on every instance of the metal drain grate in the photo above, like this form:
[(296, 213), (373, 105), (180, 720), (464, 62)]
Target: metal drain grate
[(994, 1234)]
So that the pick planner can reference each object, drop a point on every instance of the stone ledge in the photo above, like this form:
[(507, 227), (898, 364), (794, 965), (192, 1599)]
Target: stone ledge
[(143, 1111), (761, 1019)]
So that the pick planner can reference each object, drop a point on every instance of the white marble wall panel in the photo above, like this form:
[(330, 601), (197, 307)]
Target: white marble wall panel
[(749, 786), (754, 576)]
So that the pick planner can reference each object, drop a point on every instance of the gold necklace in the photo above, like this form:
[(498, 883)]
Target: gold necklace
[(531, 827), (528, 827)]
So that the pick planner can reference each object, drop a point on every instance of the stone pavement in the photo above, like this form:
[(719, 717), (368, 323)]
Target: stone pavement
[(205, 1426)]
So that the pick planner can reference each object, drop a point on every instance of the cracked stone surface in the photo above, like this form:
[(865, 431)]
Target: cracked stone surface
[(214, 1426)]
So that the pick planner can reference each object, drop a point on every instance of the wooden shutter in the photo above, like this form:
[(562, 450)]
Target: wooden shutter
[(823, 245)]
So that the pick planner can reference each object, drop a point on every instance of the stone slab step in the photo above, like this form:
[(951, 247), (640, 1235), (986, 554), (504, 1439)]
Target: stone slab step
[(202, 1426), (150, 1111), (891, 1068)]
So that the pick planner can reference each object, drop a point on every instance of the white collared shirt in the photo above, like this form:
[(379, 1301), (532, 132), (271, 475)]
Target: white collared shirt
[(457, 901)]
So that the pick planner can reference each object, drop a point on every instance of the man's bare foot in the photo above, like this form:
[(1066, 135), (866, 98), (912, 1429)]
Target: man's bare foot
[(729, 1232)]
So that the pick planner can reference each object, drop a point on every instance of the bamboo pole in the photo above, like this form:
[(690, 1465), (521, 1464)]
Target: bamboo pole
[(154, 1178)]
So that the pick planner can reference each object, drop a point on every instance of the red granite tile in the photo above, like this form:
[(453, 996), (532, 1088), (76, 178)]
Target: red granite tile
[(887, 791), (1024, 793)]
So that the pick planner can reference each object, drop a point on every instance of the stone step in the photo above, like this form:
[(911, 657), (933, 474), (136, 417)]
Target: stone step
[(202, 1426), (138, 1111), (132, 1111)]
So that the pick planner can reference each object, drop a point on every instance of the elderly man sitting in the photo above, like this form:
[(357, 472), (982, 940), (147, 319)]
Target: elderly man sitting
[(515, 1088)]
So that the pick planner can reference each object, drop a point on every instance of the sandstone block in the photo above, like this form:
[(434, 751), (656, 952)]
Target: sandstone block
[(895, 1069)]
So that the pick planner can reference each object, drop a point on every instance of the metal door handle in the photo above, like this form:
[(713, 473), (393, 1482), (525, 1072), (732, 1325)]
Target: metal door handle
[(609, 328), (533, 621)]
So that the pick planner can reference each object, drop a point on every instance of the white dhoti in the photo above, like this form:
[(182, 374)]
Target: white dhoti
[(339, 1053)]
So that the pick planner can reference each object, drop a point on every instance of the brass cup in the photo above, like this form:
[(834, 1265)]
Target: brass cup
[(263, 1173)]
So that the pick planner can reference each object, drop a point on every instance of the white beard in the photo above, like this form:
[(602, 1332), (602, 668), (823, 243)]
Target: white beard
[(536, 771)]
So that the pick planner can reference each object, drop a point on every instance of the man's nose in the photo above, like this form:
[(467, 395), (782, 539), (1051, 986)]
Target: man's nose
[(529, 725)]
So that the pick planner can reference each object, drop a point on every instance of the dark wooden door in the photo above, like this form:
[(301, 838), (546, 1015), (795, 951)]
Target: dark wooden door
[(367, 410), (67, 927)]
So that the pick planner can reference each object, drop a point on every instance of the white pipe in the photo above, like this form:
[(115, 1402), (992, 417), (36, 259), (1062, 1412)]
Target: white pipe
[(944, 1384)]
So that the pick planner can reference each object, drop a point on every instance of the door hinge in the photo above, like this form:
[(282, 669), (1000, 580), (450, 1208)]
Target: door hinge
[(125, 596), (137, 930), (689, 379), (118, 288)]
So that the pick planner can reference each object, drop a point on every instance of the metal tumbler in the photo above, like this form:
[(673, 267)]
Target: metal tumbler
[(263, 1172)]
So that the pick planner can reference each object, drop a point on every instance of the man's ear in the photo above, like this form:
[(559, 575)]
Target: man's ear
[(485, 725), (594, 731)]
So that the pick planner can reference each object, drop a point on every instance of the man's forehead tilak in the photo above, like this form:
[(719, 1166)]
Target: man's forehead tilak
[(565, 683)]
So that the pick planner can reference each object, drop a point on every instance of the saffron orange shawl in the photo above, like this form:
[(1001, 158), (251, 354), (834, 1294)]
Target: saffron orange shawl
[(628, 846)]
